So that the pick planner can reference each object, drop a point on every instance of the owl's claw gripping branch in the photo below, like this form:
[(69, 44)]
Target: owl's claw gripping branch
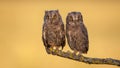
[(84, 59)]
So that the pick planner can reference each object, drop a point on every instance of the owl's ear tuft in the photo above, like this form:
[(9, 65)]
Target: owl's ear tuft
[(46, 11), (57, 10)]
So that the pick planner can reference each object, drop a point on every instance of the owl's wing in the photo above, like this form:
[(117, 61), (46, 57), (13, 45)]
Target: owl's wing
[(85, 45), (70, 37), (44, 38), (84, 30), (71, 40), (62, 35), (44, 35)]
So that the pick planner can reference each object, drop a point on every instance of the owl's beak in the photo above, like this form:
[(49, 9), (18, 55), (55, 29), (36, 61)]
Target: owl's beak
[(75, 21), (52, 19)]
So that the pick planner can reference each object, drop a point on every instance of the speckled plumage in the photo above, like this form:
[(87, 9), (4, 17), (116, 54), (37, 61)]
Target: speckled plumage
[(76, 32), (53, 33)]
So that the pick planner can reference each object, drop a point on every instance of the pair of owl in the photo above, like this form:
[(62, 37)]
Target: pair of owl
[(54, 34)]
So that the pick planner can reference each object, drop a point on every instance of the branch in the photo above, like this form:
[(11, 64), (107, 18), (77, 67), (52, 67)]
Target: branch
[(84, 59)]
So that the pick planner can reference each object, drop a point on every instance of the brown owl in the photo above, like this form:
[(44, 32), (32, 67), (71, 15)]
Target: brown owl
[(53, 33), (76, 32)]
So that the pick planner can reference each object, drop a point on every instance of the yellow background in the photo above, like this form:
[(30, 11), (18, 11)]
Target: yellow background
[(21, 27)]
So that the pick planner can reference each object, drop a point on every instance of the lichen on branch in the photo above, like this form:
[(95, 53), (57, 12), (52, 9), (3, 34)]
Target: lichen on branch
[(84, 59)]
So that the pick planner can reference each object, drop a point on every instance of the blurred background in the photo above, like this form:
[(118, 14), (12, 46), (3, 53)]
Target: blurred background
[(21, 27)]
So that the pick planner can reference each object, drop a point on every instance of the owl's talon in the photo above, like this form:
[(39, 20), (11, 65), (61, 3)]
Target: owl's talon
[(54, 47), (79, 54), (60, 48), (73, 54), (68, 52)]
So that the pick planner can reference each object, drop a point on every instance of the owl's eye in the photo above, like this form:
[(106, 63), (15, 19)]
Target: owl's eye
[(55, 16), (71, 19), (47, 17), (79, 18)]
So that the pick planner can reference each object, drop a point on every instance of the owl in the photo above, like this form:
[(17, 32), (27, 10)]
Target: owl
[(76, 32), (53, 33)]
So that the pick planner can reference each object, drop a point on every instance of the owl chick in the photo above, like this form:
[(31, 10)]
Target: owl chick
[(76, 32), (53, 33)]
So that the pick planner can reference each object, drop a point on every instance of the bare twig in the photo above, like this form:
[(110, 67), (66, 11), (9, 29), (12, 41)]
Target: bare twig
[(84, 59)]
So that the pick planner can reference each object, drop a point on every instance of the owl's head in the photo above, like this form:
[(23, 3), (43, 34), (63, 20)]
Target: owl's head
[(52, 16), (74, 18)]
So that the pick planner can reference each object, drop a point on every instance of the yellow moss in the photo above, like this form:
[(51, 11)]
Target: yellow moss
[(109, 61), (97, 61), (56, 51), (81, 58), (51, 49), (71, 56)]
